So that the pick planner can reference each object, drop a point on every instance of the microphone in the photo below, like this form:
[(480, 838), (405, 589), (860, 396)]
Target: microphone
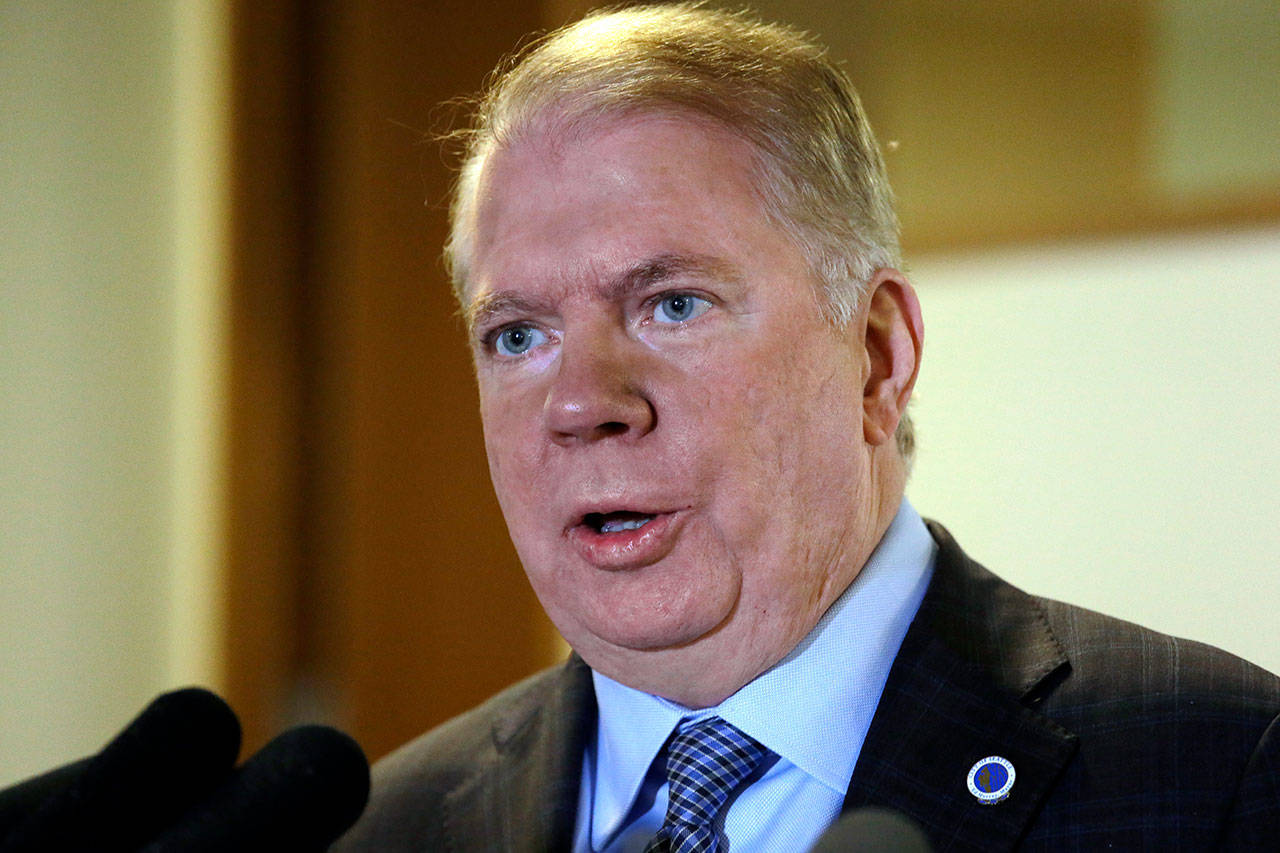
[(18, 801), (298, 793), (176, 751), (873, 829)]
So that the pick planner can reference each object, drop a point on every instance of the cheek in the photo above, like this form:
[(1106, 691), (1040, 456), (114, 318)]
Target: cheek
[(792, 418), (512, 418), (508, 440), (791, 457)]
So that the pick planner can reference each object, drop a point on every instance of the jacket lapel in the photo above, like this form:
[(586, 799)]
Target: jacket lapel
[(977, 659), (526, 792)]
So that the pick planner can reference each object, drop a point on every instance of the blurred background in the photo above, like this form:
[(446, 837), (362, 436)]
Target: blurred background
[(238, 436)]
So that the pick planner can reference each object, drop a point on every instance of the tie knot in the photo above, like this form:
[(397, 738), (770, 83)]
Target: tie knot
[(706, 762)]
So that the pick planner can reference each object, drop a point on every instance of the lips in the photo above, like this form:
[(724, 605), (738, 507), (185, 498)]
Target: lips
[(620, 539)]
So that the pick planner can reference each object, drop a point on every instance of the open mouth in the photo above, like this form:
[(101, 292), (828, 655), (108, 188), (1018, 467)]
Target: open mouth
[(624, 539), (616, 522)]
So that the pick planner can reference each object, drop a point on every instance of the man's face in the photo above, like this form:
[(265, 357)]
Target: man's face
[(674, 432)]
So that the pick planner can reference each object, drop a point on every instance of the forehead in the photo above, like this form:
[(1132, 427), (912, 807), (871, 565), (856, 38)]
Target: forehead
[(567, 199)]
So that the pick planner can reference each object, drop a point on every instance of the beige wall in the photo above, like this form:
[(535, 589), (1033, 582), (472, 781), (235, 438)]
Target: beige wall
[(108, 312), (1097, 423)]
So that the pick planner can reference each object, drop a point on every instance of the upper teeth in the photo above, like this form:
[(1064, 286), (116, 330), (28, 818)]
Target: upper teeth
[(612, 526)]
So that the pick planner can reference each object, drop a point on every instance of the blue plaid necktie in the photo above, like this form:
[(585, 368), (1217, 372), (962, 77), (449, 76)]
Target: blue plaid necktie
[(706, 762)]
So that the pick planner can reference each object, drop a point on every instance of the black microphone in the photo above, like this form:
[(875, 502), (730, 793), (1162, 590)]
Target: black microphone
[(174, 753), (18, 802), (873, 829), (298, 793)]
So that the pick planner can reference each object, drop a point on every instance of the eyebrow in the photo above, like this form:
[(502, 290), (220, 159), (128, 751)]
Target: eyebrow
[(637, 279)]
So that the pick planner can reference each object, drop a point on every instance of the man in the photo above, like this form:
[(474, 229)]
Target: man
[(674, 245)]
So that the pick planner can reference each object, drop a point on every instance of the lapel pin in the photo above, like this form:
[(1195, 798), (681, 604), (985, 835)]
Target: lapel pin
[(991, 779)]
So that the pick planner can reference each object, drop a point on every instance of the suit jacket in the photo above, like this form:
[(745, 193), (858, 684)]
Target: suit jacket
[(1120, 738)]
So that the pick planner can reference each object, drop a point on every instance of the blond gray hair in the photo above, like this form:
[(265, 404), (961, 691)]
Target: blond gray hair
[(818, 168)]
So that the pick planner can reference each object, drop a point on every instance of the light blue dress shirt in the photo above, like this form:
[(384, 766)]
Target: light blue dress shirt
[(812, 709)]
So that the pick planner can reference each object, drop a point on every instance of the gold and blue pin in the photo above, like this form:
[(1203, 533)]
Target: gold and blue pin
[(991, 779)]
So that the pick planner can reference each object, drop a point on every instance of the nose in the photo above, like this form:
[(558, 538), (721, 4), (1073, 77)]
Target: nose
[(597, 392)]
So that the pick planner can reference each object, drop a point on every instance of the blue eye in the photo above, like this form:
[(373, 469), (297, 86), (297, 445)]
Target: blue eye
[(679, 308), (517, 340)]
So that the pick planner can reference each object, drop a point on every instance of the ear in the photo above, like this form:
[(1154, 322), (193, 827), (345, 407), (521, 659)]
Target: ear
[(894, 338)]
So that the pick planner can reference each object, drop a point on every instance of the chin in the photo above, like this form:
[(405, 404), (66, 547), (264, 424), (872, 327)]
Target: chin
[(631, 632), (669, 605), (651, 638)]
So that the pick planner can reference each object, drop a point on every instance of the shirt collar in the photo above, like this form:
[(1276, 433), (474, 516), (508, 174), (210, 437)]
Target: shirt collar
[(813, 708)]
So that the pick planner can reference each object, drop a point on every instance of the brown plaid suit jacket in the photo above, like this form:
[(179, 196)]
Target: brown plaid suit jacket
[(1121, 738)]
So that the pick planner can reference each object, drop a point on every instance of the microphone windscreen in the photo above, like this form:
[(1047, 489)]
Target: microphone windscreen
[(298, 793), (178, 749), (18, 802), (873, 829)]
